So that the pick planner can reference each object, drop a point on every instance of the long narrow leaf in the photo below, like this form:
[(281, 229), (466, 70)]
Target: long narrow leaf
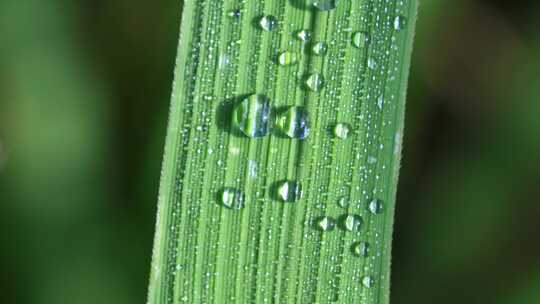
[(296, 211)]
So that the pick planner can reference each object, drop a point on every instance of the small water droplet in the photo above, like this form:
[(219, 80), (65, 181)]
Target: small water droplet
[(232, 198), (367, 281), (289, 191), (342, 130), (320, 48), (268, 23), (253, 116), (326, 223), (372, 64), (360, 39), (361, 249), (352, 222), (376, 206), (287, 58), (400, 22), (315, 82), (295, 122), (343, 202), (304, 35), (326, 5), (236, 13)]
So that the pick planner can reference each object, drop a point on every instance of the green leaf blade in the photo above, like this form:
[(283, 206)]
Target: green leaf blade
[(271, 251)]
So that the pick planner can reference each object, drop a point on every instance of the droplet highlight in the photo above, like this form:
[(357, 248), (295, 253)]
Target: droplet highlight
[(287, 58), (326, 223), (253, 116)]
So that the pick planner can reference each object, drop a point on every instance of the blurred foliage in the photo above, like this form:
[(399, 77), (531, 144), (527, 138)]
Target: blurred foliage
[(84, 90)]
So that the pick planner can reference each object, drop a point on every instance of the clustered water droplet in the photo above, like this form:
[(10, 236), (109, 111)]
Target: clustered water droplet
[(253, 116)]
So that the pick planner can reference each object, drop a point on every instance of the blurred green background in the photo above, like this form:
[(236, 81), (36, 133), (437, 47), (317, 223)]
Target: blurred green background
[(84, 94)]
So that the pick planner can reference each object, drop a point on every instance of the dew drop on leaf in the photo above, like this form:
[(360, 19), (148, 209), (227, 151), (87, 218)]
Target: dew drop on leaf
[(268, 23), (232, 198), (352, 222), (253, 116), (304, 35), (367, 281), (315, 82), (343, 202), (360, 39), (319, 48), (400, 22), (342, 130), (325, 5), (289, 191), (295, 122), (361, 249), (326, 223), (376, 206), (287, 58)]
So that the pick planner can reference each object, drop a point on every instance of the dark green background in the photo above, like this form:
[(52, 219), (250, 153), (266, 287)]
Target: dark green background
[(84, 93)]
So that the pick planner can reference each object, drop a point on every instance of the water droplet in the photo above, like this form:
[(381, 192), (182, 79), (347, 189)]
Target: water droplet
[(315, 82), (361, 249), (289, 191), (234, 13), (295, 122), (372, 64), (376, 206), (326, 5), (320, 48), (342, 130), (304, 35), (268, 23), (287, 58), (232, 198), (352, 222), (343, 202), (253, 116), (367, 281), (326, 223), (399, 23), (360, 39)]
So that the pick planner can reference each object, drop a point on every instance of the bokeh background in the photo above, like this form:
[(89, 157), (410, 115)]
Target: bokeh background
[(84, 94)]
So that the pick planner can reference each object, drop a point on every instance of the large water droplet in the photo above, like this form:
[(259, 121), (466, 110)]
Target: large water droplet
[(361, 249), (342, 130), (376, 206), (253, 116), (326, 223), (268, 23), (399, 23), (315, 82), (326, 5), (289, 191), (287, 58), (232, 198), (367, 281), (304, 35), (320, 48), (360, 39), (352, 222), (295, 122)]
